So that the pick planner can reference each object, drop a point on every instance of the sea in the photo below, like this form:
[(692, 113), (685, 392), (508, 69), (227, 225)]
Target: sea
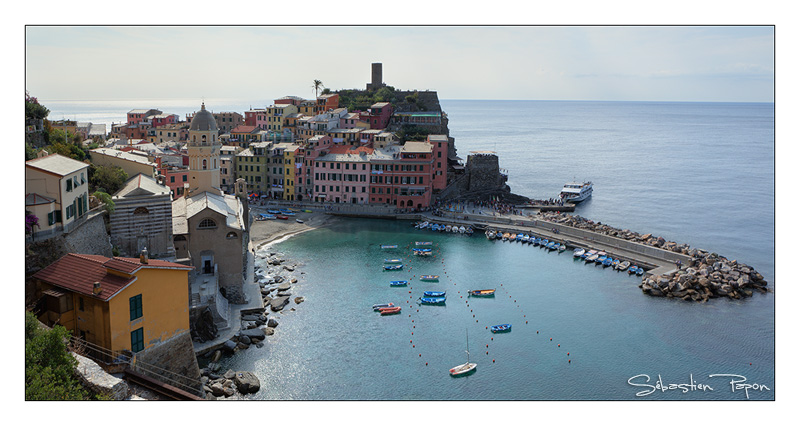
[(696, 173)]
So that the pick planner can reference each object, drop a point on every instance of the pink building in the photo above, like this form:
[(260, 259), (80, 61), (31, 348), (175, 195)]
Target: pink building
[(401, 175), (341, 175), (378, 115), (440, 145), (159, 120), (258, 117)]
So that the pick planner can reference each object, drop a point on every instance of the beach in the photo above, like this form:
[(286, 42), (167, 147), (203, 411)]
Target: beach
[(265, 232)]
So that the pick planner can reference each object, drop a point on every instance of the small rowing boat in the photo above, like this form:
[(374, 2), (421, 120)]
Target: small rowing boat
[(482, 293), (501, 328), (390, 310), (400, 283), (429, 277)]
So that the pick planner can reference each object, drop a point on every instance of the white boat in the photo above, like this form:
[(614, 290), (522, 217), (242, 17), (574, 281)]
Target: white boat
[(466, 367), (447, 228), (575, 192), (462, 229), (490, 234), (578, 252)]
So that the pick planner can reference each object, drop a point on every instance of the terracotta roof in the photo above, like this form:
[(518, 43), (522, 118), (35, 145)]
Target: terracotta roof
[(79, 272), (243, 129)]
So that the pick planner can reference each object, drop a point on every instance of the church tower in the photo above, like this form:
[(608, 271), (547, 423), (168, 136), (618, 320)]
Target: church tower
[(204, 152)]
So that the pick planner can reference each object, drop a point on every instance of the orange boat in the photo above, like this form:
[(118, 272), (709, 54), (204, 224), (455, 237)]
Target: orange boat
[(483, 293), (390, 310)]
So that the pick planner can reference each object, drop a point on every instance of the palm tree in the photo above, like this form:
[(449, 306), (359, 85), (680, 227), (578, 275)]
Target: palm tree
[(317, 85)]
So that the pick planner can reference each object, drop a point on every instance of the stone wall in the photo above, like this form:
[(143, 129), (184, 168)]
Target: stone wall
[(95, 378), (90, 237), (172, 362)]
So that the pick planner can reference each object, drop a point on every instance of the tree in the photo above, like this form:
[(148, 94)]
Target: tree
[(33, 109), (317, 85), (31, 222), (108, 179), (106, 200), (70, 150), (49, 367)]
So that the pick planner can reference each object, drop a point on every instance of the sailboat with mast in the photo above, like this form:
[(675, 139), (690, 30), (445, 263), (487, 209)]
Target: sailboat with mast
[(466, 367)]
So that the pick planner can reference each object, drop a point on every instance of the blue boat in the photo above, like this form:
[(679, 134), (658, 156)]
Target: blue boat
[(544, 243), (432, 300), (393, 267), (501, 328), (639, 271), (274, 211), (429, 277), (519, 237), (394, 246), (615, 263), (398, 283), (551, 245), (392, 260), (434, 293), (601, 259), (608, 262), (633, 269)]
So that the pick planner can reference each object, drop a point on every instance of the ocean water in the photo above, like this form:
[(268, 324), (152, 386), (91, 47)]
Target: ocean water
[(696, 173)]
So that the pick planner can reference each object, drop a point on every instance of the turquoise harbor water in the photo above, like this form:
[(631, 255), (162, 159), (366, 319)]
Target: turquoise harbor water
[(696, 173)]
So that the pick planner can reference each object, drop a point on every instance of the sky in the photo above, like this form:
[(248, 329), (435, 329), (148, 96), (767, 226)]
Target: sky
[(568, 62)]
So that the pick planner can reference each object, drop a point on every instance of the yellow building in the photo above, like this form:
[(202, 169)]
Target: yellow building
[(290, 171), (115, 303)]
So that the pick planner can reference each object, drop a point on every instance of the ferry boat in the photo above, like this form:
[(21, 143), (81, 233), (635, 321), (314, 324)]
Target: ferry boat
[(575, 192)]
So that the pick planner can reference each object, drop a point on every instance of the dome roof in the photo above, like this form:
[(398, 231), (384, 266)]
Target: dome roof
[(203, 121)]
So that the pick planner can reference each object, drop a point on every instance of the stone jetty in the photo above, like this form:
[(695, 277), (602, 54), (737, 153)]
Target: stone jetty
[(706, 276)]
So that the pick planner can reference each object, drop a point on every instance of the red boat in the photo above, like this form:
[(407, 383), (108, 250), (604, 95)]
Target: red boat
[(280, 216), (390, 310)]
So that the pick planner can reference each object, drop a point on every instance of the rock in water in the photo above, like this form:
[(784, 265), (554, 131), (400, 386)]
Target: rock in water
[(246, 382)]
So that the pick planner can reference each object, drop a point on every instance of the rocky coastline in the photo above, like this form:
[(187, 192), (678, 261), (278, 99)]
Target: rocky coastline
[(276, 282), (706, 276)]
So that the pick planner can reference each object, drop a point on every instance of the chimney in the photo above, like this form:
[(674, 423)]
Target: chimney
[(143, 256), (96, 288)]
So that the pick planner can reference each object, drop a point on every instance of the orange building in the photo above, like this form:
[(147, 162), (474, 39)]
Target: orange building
[(115, 303)]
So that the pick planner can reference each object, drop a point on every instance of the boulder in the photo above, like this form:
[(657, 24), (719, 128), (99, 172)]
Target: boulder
[(284, 287), (278, 303), (229, 346), (254, 334), (272, 322), (229, 374), (217, 355), (246, 382), (217, 389), (245, 340), (299, 300)]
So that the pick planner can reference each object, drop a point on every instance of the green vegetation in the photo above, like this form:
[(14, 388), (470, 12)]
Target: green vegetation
[(33, 109), (106, 200), (358, 100), (49, 367), (106, 179), (413, 133)]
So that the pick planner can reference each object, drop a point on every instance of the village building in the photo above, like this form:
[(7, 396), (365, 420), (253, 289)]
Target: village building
[(142, 218), (57, 192), (210, 228)]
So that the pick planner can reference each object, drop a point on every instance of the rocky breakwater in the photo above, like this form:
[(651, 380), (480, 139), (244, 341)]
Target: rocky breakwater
[(706, 276), (276, 280)]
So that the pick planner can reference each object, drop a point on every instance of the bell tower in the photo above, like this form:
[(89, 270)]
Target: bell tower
[(204, 153)]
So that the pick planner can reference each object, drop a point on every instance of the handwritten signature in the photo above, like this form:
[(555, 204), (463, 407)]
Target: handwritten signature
[(737, 383)]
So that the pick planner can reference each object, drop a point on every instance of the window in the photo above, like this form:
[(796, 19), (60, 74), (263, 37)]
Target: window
[(185, 177), (207, 224), (70, 211), (137, 340), (231, 235), (80, 304), (136, 307), (172, 179), (141, 210), (69, 185)]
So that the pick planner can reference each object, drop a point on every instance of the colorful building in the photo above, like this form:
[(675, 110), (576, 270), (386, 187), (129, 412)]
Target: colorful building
[(341, 175), (130, 162), (119, 304), (57, 192)]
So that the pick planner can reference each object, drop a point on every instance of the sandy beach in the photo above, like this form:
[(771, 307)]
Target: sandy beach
[(266, 232)]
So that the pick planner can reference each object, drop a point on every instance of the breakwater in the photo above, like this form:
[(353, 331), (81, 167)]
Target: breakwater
[(673, 270)]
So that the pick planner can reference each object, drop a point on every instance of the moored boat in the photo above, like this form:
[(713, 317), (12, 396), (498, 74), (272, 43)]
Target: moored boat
[(393, 267), (392, 260), (400, 283), (462, 229), (615, 263), (588, 253), (607, 262), (490, 234), (393, 246), (423, 243), (632, 269), (578, 252), (432, 300), (592, 258), (390, 310), (378, 306), (562, 247), (623, 265), (482, 293), (467, 367), (500, 328), (601, 256), (434, 294), (575, 192), (639, 271), (429, 277)]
